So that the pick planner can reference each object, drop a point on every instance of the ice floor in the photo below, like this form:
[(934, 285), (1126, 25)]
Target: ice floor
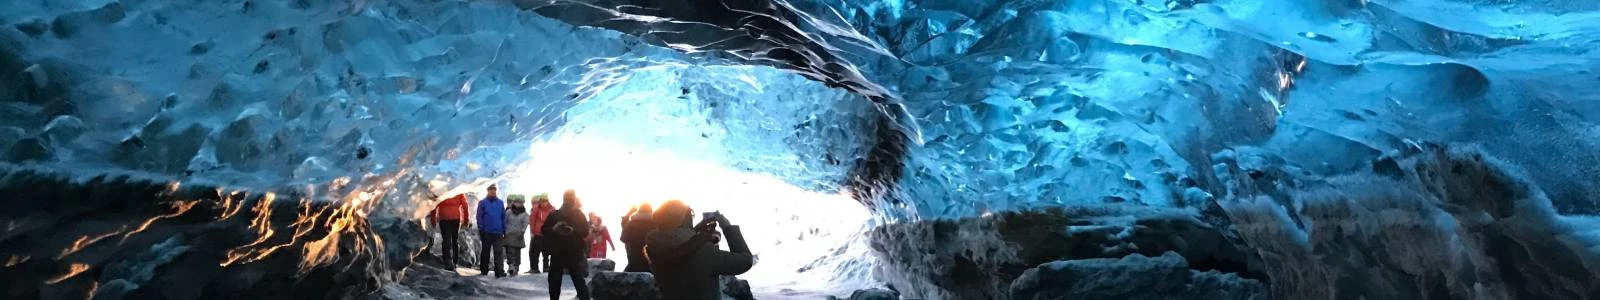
[(535, 286)]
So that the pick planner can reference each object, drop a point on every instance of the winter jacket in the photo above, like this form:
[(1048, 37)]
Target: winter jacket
[(687, 267), (599, 238), (633, 239), (492, 215), (453, 209), (516, 227), (537, 217), (572, 245), (636, 228)]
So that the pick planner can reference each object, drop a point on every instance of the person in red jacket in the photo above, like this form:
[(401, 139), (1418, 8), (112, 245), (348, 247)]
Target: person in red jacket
[(449, 216), (536, 246), (599, 237)]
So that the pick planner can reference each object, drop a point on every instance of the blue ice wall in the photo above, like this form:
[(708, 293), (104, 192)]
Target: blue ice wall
[(1026, 103), (262, 94)]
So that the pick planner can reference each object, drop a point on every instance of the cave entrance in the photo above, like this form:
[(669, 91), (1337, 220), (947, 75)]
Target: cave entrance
[(707, 136)]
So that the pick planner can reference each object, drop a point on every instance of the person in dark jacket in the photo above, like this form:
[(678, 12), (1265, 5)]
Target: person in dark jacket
[(685, 259), (567, 239), (491, 229), (635, 225)]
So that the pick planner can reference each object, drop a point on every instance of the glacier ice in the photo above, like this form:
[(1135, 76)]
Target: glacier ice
[(1273, 122)]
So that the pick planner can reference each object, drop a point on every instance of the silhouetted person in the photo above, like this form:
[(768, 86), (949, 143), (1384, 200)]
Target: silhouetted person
[(567, 238), (685, 260), (516, 229), (599, 237), (491, 229), (635, 225), (449, 216), (536, 248)]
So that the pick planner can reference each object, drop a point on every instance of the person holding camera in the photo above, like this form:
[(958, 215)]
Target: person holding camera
[(685, 259), (567, 239)]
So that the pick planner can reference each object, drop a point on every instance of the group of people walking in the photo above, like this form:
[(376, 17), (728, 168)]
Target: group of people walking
[(685, 259)]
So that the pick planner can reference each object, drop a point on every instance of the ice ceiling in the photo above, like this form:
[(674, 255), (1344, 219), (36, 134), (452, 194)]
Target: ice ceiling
[(919, 109)]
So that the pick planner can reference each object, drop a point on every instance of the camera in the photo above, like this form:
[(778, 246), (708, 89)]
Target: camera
[(708, 225)]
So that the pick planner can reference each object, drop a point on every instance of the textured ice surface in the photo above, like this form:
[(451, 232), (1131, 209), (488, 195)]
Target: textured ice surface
[(1037, 102), (920, 109)]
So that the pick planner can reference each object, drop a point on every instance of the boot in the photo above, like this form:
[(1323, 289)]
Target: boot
[(512, 271)]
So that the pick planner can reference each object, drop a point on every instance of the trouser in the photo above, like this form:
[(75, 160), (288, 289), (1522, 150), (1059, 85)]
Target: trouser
[(637, 262), (535, 251), (450, 232), (491, 254), (513, 259), (574, 265)]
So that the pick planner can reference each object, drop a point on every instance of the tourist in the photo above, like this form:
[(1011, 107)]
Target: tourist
[(536, 245), (567, 238), (491, 229), (599, 237), (685, 260), (635, 225), (448, 217), (516, 229)]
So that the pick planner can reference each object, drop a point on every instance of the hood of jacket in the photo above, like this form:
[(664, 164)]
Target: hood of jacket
[(668, 244)]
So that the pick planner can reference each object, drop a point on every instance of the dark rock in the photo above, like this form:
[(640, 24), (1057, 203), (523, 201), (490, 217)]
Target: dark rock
[(152, 238), (870, 294), (429, 276), (607, 285), (1219, 285), (1132, 277), (597, 265), (978, 258), (1165, 277), (1434, 222), (737, 289)]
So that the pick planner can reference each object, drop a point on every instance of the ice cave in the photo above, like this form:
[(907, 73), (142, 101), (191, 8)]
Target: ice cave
[(876, 149)]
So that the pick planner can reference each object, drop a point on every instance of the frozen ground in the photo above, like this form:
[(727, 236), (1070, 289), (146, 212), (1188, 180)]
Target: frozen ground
[(535, 286)]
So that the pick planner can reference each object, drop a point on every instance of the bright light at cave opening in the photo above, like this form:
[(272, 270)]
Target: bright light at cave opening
[(787, 227)]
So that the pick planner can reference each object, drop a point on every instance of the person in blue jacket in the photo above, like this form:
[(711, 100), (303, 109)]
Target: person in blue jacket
[(491, 230)]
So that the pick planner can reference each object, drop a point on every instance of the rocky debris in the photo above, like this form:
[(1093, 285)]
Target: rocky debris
[(1219, 285), (128, 236), (1133, 277), (1427, 222), (870, 294), (607, 285), (597, 265), (428, 277), (978, 258), (737, 289)]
